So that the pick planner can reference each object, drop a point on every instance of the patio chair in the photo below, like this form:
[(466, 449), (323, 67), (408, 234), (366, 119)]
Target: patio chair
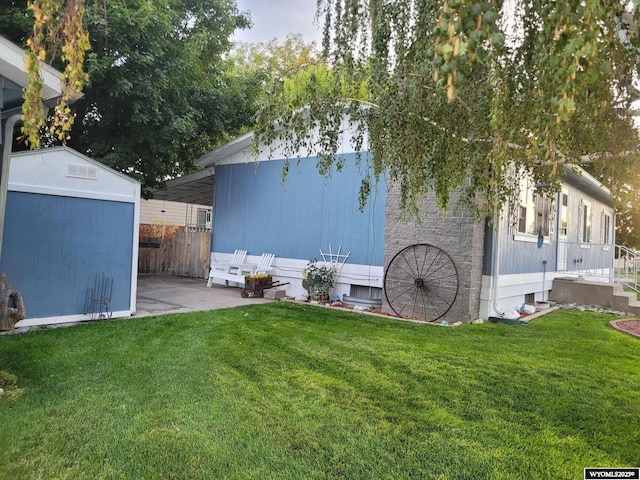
[(222, 269), (265, 265)]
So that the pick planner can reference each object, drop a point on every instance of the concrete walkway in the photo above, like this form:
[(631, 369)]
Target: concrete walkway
[(162, 294)]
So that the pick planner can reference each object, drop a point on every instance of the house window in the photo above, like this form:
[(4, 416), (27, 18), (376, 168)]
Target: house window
[(585, 220), (534, 211), (542, 214), (204, 218), (606, 228), (564, 213)]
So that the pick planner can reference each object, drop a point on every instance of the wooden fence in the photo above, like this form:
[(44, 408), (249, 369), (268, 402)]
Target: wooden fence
[(154, 255), (191, 254), (187, 254)]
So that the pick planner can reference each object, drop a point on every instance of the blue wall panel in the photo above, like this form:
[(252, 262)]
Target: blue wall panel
[(54, 247), (254, 211), (526, 257)]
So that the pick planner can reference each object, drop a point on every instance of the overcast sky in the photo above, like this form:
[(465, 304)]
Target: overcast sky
[(277, 18)]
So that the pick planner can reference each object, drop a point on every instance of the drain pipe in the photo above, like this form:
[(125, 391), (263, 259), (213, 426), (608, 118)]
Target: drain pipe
[(496, 263), (544, 278), (4, 174)]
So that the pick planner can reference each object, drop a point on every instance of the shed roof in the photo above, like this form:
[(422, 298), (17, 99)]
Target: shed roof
[(62, 171)]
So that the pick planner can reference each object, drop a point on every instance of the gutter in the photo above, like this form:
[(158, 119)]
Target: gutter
[(12, 121)]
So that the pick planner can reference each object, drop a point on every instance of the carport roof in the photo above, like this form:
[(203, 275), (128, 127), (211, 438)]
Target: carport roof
[(197, 187), (194, 188)]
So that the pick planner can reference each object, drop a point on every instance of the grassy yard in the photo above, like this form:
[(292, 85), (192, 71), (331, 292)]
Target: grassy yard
[(284, 391)]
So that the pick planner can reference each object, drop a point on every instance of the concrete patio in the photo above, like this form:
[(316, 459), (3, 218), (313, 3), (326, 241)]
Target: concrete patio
[(162, 294)]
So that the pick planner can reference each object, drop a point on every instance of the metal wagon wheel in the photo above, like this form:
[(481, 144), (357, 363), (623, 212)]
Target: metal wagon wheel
[(421, 282)]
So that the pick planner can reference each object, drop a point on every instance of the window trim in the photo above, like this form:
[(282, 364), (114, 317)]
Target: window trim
[(531, 238), (539, 201), (586, 219), (563, 208), (606, 229), (206, 213)]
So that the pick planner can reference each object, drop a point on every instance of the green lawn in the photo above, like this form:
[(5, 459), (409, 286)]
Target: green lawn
[(284, 391)]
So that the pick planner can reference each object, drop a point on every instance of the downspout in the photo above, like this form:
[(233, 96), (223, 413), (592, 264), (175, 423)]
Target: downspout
[(4, 175), (496, 262), (612, 269)]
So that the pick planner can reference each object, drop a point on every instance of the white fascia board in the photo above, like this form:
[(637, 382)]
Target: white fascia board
[(582, 173), (190, 177), (239, 149), (242, 143), (12, 67)]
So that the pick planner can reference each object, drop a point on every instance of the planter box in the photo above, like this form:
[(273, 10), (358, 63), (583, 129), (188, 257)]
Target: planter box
[(254, 287)]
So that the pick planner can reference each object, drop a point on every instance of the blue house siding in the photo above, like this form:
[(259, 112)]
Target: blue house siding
[(517, 257), (54, 247), (254, 211)]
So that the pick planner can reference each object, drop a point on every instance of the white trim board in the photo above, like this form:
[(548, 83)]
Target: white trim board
[(42, 321), (63, 192)]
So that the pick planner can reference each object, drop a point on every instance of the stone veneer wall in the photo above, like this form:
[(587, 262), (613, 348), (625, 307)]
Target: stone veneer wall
[(458, 233)]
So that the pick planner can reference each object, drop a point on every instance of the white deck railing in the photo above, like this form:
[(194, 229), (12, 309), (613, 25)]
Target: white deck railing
[(626, 263), (602, 262)]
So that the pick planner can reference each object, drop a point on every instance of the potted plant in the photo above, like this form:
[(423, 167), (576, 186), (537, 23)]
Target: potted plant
[(255, 283), (319, 279)]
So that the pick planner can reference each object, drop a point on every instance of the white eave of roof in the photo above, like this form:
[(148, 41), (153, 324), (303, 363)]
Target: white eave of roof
[(12, 67), (588, 177), (234, 146), (586, 182)]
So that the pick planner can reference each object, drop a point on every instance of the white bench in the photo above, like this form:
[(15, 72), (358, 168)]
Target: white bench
[(235, 272), (222, 269)]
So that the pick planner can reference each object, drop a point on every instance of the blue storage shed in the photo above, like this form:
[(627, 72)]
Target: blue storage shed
[(71, 237)]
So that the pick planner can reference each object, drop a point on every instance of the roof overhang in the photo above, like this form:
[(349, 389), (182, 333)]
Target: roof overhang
[(13, 78), (582, 180), (225, 151), (195, 188)]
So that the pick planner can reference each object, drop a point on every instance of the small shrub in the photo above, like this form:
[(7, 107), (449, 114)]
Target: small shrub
[(8, 384), (319, 279)]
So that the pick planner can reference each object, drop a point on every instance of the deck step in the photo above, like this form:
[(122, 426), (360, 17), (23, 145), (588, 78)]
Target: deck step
[(595, 293)]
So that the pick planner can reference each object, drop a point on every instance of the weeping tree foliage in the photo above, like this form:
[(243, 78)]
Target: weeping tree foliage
[(458, 95), (157, 95), (250, 67), (58, 30)]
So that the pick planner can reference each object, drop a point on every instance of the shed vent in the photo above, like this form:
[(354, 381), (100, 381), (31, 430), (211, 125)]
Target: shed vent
[(82, 171)]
